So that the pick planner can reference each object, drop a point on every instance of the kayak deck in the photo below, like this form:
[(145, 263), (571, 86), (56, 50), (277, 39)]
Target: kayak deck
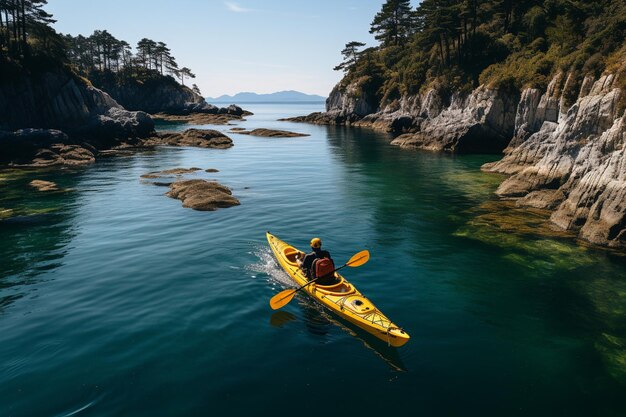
[(342, 298)]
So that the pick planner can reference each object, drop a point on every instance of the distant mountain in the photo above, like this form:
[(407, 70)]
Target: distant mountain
[(280, 96)]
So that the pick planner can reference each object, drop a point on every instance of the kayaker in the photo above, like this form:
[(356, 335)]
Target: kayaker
[(313, 268)]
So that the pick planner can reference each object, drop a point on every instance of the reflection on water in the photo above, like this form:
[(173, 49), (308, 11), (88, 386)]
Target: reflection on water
[(280, 318), (35, 227)]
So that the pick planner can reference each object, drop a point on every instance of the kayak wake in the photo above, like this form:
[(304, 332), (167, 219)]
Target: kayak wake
[(268, 266)]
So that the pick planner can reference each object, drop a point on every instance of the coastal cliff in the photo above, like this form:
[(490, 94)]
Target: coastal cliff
[(58, 99), (150, 92), (56, 110), (564, 156), (571, 159), (482, 121)]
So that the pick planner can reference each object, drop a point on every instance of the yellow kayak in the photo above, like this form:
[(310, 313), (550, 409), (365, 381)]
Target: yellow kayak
[(342, 298)]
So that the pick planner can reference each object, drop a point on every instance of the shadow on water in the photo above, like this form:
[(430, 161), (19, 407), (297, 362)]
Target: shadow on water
[(318, 322), (280, 318), (383, 350), (35, 227)]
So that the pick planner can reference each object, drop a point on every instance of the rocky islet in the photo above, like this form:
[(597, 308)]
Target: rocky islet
[(202, 195)]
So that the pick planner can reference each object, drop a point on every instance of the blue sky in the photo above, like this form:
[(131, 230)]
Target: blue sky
[(232, 46)]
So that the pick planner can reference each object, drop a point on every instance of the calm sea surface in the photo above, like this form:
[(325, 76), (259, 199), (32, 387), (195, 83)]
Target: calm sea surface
[(117, 301)]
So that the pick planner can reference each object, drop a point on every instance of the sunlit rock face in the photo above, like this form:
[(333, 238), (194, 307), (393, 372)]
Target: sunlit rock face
[(575, 163)]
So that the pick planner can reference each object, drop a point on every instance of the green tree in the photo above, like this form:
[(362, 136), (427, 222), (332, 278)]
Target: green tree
[(185, 72), (351, 56), (145, 51), (23, 18), (394, 23)]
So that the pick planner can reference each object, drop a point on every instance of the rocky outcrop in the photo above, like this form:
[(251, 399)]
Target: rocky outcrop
[(43, 148), (571, 160), (202, 195), (150, 92), (200, 118), (270, 133), (37, 148), (56, 118), (344, 106), (482, 121), (564, 148), (199, 138), (58, 99)]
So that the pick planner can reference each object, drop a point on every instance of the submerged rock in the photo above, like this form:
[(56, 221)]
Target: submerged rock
[(67, 155), (42, 148), (271, 133), (5, 213), (42, 185), (202, 195), (169, 172), (198, 118)]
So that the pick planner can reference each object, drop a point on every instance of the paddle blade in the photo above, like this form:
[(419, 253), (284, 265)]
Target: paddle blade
[(282, 299), (359, 259)]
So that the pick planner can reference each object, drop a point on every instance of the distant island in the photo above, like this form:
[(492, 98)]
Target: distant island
[(280, 96)]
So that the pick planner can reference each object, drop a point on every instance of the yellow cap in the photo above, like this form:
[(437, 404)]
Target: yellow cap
[(316, 242)]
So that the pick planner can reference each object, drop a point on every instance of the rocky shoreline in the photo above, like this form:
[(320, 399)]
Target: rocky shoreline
[(564, 148), (40, 148), (56, 118)]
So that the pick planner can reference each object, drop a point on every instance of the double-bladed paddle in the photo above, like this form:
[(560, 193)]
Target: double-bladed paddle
[(284, 297)]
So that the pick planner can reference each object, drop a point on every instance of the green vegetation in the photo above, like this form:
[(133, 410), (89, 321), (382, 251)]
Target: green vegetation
[(19, 19), (456, 45), (28, 44), (102, 55)]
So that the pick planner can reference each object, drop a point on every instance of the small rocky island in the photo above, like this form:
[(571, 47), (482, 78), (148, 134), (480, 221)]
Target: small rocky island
[(198, 194), (269, 133), (202, 195)]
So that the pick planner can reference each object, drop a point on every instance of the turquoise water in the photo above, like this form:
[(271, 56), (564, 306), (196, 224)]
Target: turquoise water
[(115, 300)]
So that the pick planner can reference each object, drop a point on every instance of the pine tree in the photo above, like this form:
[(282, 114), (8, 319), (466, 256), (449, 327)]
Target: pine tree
[(351, 56), (394, 23), (185, 72)]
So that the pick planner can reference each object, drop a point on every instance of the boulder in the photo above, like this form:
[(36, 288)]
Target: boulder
[(232, 110), (202, 195)]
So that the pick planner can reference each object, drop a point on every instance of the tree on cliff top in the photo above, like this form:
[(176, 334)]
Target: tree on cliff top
[(393, 24), (21, 20), (185, 72), (351, 56), (458, 44)]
